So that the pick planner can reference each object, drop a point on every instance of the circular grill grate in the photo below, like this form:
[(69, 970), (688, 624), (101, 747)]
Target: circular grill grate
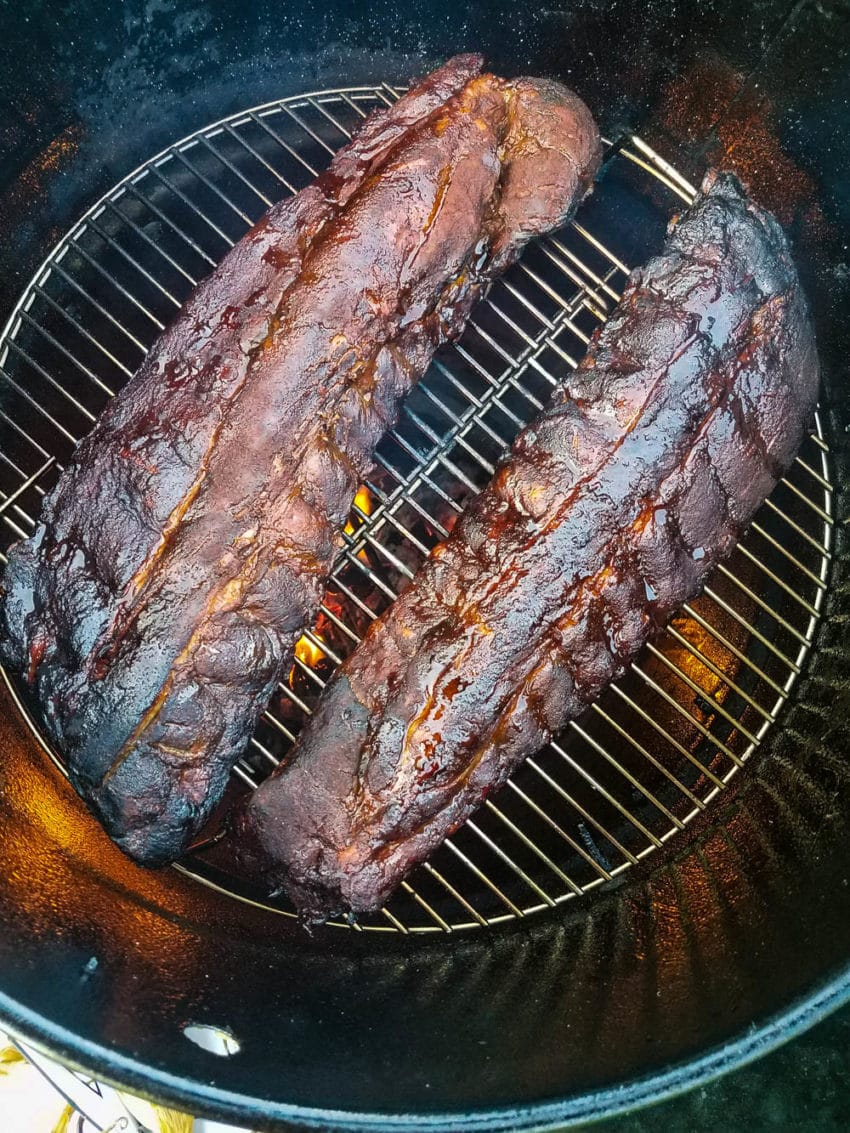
[(662, 743)]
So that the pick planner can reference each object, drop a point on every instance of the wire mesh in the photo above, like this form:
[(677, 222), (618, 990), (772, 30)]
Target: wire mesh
[(661, 743)]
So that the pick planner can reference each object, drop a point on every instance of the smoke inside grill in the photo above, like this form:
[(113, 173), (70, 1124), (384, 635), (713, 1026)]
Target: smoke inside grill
[(660, 745)]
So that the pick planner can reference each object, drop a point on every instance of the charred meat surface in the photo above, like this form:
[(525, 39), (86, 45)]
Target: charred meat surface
[(607, 514), (186, 546)]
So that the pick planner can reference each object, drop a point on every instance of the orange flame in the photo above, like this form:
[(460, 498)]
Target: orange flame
[(307, 650), (362, 502)]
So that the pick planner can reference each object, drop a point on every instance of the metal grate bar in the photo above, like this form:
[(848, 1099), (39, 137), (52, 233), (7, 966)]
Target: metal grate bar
[(12, 424), (420, 900), (99, 308), (79, 250), (665, 735), (590, 298), (810, 574), (482, 404), (701, 692), (396, 500), (553, 825), (447, 461), (821, 548), (270, 718), (386, 554), (633, 157), (627, 775), (820, 442), (246, 145), (131, 188), (733, 649), (422, 477), (85, 333), (495, 382), (718, 672), (789, 590), (665, 771), (307, 130), (395, 922), (323, 647), (20, 472), (333, 121), (327, 612), (264, 751), (759, 601), (219, 156), (473, 912), (478, 420), (468, 420), (242, 774), (392, 92), (17, 531), (470, 824), (45, 334), (110, 243), (39, 369), (375, 579), (585, 814), (819, 511), (816, 476), (585, 774), (11, 500), (658, 162), (350, 102), (600, 247), (524, 301), (213, 188), (601, 281), (479, 873), (157, 172), (742, 621), (39, 408), (260, 120), (535, 849), (152, 244), (692, 720), (28, 483)]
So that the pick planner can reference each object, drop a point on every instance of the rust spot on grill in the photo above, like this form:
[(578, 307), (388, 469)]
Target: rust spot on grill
[(56, 154)]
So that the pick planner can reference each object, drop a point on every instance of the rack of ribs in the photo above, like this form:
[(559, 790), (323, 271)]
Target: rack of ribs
[(607, 514), (186, 546)]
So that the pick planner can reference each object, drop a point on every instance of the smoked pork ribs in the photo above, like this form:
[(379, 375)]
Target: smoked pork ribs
[(607, 514), (187, 543)]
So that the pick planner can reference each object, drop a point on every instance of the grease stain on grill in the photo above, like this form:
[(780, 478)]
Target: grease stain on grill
[(661, 744)]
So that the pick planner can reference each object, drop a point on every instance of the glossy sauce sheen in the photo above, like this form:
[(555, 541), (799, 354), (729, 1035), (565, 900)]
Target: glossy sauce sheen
[(186, 547), (608, 513)]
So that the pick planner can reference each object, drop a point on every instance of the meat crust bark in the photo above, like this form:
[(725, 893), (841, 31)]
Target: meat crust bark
[(185, 548), (608, 513)]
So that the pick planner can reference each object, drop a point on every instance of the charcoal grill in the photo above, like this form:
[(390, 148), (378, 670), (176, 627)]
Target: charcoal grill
[(661, 746), (657, 897)]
